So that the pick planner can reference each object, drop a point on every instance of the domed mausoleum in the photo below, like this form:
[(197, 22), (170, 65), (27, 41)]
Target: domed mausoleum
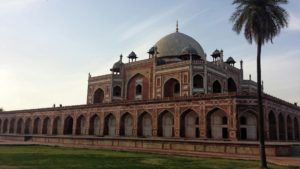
[(178, 99)]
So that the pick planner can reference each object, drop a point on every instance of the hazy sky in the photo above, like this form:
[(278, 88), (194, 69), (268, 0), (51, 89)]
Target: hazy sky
[(48, 47)]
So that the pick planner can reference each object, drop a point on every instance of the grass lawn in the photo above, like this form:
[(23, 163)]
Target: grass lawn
[(44, 157)]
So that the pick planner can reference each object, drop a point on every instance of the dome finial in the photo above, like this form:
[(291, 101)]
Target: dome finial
[(177, 26)]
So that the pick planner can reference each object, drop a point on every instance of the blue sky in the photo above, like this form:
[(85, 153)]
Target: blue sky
[(48, 47)]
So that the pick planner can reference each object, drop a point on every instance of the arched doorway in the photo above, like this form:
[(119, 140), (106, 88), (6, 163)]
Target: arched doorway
[(20, 126), (217, 124), (282, 132), (166, 124), (98, 96), (172, 88), (28, 126), (231, 85), (110, 125), (198, 82), (36, 125), (248, 126), (189, 124), (272, 126), (217, 88), (56, 126), (80, 125), (289, 128), (68, 126), (145, 125), (94, 125), (296, 129), (138, 88), (46, 124), (126, 125), (12, 126)]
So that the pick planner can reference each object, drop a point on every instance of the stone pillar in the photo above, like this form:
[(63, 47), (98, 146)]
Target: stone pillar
[(31, 126), (293, 129), (102, 121), (117, 115), (154, 123), (50, 129), (267, 136), (87, 125), (177, 122), (135, 123), (277, 126), (74, 125), (16, 126), (202, 123), (285, 127), (40, 127), (232, 122), (62, 125)]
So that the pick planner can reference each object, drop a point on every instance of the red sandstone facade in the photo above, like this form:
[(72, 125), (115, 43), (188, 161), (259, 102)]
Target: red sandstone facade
[(175, 93)]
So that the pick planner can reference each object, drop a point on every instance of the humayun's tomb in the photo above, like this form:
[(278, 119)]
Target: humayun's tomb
[(174, 101)]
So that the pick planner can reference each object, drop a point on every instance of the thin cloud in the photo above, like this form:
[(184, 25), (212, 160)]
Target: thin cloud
[(139, 28), (11, 6)]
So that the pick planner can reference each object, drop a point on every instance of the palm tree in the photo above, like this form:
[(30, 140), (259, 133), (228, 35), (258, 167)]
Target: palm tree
[(261, 21)]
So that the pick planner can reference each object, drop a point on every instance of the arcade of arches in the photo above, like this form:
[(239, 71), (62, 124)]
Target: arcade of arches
[(214, 124)]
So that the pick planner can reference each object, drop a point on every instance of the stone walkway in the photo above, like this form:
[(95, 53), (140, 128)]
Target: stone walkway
[(284, 161)]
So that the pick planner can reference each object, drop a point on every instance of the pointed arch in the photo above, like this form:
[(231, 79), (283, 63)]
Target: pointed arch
[(68, 125), (20, 126), (217, 124), (198, 81), (94, 128), (56, 128), (36, 125), (189, 124), (110, 125), (126, 126), (28, 126), (217, 88), (98, 96), (138, 87), (46, 124), (231, 85), (145, 125), (172, 88), (165, 124), (248, 125), (272, 126), (80, 125), (12, 126)]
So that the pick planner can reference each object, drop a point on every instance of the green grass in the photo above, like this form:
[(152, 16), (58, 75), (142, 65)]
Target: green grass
[(44, 157)]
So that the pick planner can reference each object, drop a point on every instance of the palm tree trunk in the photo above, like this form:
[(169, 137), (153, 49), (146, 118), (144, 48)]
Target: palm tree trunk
[(263, 160)]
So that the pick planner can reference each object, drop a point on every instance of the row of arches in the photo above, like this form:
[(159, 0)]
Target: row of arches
[(281, 128), (216, 125), (138, 85)]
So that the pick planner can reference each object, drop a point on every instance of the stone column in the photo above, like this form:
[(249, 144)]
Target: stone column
[(285, 127), (135, 123), (154, 123), (62, 125), (102, 119), (232, 121), (15, 126), (74, 125), (277, 126), (87, 125), (177, 122), (50, 129), (117, 115), (202, 123)]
